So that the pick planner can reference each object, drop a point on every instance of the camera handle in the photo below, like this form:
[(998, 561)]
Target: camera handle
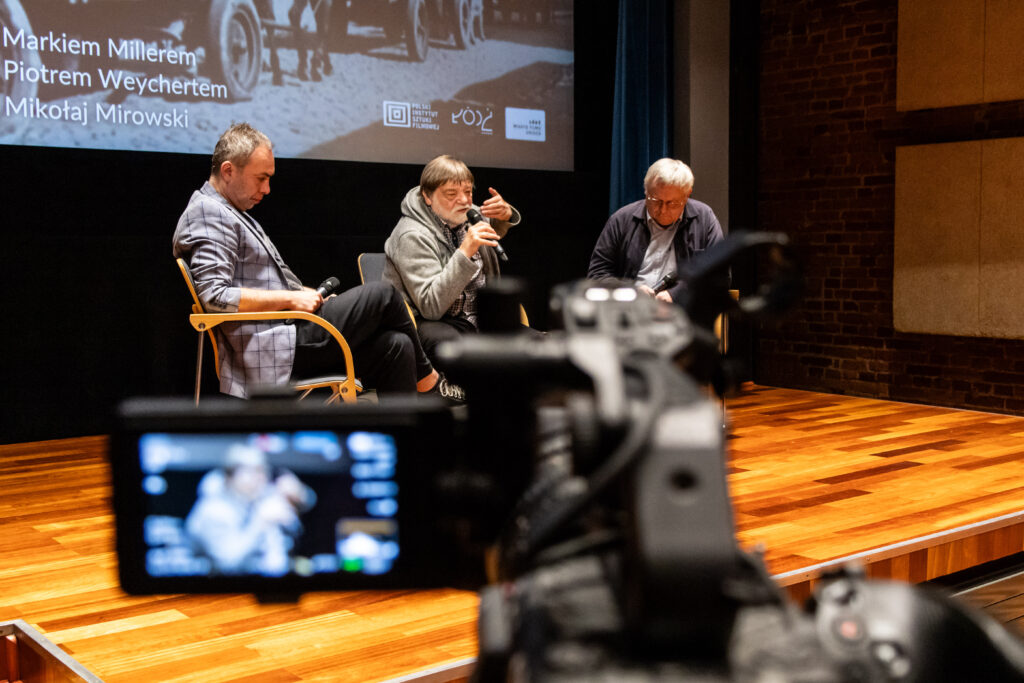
[(682, 549)]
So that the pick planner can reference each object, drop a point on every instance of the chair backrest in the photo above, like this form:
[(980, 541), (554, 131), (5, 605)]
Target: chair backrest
[(371, 266), (371, 269), (197, 305), (722, 325)]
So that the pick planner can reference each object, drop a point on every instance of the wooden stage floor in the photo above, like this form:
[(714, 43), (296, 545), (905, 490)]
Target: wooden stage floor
[(913, 492)]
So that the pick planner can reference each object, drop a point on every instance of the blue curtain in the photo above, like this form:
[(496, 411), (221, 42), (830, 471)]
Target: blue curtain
[(642, 110)]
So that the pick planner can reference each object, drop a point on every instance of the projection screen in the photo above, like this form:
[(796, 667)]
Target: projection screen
[(490, 81)]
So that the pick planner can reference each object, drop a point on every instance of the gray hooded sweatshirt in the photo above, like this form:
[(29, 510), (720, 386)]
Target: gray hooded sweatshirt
[(422, 264)]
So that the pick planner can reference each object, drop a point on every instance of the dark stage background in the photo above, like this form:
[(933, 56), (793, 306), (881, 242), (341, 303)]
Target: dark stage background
[(95, 305)]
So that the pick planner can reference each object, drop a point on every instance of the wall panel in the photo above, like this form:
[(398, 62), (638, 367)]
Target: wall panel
[(941, 53), (1001, 235), (935, 279)]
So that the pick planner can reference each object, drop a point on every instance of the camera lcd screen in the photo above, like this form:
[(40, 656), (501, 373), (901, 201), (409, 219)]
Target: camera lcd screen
[(279, 501), (269, 504)]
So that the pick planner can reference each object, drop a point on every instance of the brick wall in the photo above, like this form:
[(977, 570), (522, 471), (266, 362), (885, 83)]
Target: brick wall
[(826, 154)]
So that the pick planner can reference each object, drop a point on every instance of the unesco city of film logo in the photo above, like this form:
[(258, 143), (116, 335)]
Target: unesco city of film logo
[(474, 118), (525, 124), (409, 115)]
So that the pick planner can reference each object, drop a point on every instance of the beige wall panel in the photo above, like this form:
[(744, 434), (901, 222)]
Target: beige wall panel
[(1004, 50), (940, 53), (935, 278), (1001, 301)]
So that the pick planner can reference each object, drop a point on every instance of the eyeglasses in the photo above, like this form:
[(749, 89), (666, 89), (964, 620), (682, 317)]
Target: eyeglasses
[(660, 203)]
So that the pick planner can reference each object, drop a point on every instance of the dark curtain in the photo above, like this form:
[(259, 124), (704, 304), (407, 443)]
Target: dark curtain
[(642, 122)]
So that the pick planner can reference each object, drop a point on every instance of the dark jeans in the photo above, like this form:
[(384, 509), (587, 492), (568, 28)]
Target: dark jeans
[(386, 350)]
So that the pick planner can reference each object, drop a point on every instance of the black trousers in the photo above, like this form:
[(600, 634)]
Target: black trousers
[(386, 350), (447, 328)]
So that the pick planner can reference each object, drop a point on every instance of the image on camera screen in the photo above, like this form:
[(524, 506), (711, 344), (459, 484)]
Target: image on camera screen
[(300, 503)]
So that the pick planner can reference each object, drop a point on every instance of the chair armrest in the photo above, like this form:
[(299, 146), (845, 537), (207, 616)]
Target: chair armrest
[(205, 322)]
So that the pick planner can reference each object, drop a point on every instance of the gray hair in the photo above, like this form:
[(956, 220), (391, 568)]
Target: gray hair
[(669, 172), (441, 170), (236, 145)]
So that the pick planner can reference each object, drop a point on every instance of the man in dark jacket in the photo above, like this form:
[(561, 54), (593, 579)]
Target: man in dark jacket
[(650, 241)]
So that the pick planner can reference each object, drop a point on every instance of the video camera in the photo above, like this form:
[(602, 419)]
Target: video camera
[(584, 487)]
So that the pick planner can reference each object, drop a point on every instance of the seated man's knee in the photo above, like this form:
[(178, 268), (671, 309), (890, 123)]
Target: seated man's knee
[(382, 291), (398, 344), (438, 331), (375, 295)]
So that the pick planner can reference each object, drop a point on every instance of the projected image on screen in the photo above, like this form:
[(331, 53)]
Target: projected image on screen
[(490, 81)]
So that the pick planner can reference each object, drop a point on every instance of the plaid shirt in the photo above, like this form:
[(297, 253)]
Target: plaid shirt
[(465, 304)]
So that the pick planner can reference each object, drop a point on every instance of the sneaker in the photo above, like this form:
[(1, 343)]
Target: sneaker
[(452, 393)]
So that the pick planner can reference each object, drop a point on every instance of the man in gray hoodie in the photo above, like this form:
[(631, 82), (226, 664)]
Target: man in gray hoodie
[(438, 258)]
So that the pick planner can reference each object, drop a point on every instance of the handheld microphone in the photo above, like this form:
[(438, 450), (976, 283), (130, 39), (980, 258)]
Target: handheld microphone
[(328, 286), (667, 282), (474, 217)]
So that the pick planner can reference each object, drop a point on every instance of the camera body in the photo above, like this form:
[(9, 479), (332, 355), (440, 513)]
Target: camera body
[(584, 487)]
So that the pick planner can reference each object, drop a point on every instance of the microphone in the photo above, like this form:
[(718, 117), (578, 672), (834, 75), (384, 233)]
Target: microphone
[(474, 217), (328, 286), (667, 282)]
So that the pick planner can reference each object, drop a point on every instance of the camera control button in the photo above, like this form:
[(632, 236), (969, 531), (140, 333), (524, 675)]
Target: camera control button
[(849, 630)]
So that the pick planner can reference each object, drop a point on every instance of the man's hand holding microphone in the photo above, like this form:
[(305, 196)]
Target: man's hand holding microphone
[(480, 233), (660, 291)]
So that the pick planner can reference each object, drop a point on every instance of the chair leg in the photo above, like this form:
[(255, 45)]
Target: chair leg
[(199, 366), (725, 350)]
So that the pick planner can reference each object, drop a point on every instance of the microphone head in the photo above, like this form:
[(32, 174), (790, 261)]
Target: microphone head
[(667, 282), (328, 286)]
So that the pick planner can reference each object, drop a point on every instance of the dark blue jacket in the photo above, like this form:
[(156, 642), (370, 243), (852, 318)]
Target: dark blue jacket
[(620, 249)]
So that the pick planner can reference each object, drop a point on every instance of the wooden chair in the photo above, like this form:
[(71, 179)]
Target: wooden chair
[(722, 334), (343, 387), (371, 269), (722, 325)]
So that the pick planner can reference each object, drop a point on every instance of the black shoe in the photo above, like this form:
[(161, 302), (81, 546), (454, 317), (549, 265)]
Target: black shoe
[(448, 391)]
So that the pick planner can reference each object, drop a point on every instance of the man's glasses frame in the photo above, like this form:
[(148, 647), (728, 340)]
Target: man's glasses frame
[(673, 205)]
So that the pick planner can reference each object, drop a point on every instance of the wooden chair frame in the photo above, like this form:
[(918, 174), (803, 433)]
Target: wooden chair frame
[(343, 387)]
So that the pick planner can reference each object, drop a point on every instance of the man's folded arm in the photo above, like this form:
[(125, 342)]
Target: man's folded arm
[(254, 300)]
